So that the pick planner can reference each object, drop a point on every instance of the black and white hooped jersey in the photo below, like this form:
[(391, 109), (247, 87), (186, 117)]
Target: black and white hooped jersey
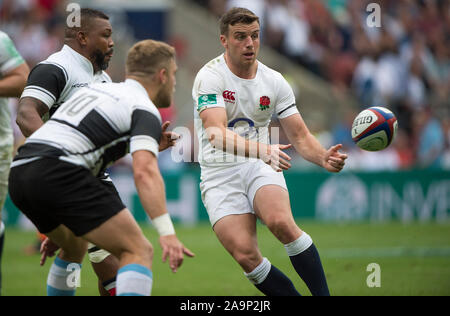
[(57, 78), (98, 125)]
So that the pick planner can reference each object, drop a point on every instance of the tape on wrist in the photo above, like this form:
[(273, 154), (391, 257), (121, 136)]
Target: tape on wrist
[(164, 225), (2, 228)]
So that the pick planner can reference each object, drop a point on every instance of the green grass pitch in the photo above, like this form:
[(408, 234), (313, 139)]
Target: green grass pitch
[(414, 259)]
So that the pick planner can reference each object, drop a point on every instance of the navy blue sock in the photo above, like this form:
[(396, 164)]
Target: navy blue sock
[(271, 281), (277, 284), (309, 268)]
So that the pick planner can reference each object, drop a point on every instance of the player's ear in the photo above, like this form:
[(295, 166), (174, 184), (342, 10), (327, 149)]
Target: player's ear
[(163, 75), (81, 38), (223, 41)]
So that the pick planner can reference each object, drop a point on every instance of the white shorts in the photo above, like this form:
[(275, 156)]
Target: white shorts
[(5, 164), (231, 190)]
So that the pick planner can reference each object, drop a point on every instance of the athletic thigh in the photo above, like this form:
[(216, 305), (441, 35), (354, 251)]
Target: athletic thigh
[(272, 206), (120, 234), (74, 247)]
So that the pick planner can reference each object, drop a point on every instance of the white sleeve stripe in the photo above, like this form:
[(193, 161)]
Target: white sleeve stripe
[(143, 142), (38, 93)]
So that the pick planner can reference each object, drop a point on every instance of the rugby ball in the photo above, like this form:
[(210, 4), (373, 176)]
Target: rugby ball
[(374, 128)]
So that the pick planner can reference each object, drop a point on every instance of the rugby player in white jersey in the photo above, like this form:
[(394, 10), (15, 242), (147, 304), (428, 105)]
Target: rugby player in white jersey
[(85, 55), (235, 97), (54, 178), (13, 77)]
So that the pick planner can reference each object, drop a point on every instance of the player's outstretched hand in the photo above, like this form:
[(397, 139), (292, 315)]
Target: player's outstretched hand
[(175, 250), (276, 158), (48, 249), (168, 138), (334, 160)]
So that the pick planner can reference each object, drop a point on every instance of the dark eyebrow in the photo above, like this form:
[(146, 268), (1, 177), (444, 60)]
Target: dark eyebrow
[(244, 33)]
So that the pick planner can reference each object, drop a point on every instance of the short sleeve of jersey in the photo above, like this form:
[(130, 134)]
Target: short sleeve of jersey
[(145, 131), (9, 57), (208, 90), (45, 83), (286, 105)]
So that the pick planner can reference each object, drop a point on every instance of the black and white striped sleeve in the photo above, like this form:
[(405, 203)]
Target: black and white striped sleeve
[(45, 83), (145, 131)]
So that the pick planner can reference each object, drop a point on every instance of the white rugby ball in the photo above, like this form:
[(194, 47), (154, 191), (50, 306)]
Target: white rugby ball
[(374, 128)]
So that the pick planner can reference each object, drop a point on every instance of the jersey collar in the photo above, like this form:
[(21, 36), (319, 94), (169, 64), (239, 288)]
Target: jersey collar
[(138, 86), (82, 61)]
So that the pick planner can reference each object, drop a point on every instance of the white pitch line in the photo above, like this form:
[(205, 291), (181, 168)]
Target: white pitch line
[(385, 252)]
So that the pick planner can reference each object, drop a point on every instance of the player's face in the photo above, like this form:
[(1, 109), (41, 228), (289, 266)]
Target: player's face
[(165, 95), (101, 43), (242, 43)]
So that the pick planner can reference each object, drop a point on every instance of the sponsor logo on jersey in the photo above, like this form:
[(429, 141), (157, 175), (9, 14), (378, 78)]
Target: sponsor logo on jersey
[(228, 96), (80, 85), (264, 103), (206, 99)]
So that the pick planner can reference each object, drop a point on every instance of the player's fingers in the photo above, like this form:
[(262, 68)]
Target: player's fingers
[(176, 258), (285, 146), (284, 155), (283, 164), (174, 136), (338, 166), (336, 159), (336, 148), (165, 126), (164, 254), (187, 252), (43, 258)]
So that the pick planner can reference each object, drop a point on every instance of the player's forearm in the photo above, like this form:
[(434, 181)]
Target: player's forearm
[(12, 86), (230, 142), (310, 149), (28, 120), (150, 187)]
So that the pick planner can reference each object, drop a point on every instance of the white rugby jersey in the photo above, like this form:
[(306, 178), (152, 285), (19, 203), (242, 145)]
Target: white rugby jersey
[(98, 125), (249, 103), (57, 78), (9, 60)]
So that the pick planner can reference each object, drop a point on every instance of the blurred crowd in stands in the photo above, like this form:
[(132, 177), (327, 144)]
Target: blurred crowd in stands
[(403, 65)]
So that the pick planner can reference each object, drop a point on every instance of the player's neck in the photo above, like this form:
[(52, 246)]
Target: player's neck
[(83, 53), (242, 71), (149, 86)]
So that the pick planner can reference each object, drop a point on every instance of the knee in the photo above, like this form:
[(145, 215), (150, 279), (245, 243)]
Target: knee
[(283, 227), (145, 250), (138, 252), (248, 259)]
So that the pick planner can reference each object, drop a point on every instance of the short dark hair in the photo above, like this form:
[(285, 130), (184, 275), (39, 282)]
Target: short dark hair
[(234, 16), (87, 15), (147, 57)]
